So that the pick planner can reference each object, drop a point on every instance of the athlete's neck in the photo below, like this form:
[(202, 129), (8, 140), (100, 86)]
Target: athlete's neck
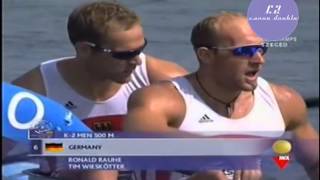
[(215, 92), (220, 99), (84, 83)]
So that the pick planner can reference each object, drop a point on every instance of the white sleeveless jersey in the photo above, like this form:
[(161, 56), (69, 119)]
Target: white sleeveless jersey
[(99, 116), (106, 115), (264, 119)]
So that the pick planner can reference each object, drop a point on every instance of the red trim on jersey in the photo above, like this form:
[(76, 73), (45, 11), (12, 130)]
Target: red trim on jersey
[(105, 123)]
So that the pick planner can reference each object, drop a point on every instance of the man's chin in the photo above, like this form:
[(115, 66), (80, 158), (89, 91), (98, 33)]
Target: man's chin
[(250, 84), (249, 87)]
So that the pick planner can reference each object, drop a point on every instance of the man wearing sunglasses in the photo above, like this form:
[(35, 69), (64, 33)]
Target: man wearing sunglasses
[(108, 66), (226, 97)]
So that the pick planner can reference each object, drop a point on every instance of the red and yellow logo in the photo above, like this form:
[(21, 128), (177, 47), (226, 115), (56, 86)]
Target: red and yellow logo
[(282, 148)]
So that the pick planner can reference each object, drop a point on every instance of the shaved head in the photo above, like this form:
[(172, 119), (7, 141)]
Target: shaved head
[(221, 30)]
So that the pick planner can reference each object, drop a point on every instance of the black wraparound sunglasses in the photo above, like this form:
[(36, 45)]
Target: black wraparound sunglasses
[(121, 55)]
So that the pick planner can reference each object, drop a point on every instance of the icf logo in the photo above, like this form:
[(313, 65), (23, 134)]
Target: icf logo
[(282, 148)]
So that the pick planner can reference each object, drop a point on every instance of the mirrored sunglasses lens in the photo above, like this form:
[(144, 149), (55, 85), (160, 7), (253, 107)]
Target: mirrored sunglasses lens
[(244, 51), (249, 51), (261, 49)]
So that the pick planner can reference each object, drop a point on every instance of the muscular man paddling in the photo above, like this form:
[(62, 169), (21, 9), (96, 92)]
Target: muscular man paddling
[(228, 90)]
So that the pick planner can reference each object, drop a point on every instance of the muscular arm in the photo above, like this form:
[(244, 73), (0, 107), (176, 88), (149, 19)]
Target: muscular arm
[(305, 137), (153, 109), (31, 80), (159, 69)]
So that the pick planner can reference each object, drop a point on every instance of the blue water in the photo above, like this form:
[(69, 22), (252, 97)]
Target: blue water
[(35, 30)]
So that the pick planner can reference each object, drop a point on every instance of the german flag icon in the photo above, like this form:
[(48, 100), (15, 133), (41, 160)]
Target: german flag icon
[(54, 147)]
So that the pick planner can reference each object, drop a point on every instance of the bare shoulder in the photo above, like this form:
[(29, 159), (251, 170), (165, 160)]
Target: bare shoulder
[(291, 104), (158, 94), (31, 80), (160, 69), (156, 108), (285, 94)]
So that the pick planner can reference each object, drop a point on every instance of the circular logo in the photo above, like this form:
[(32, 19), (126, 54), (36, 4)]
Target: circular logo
[(13, 106), (273, 19), (281, 147)]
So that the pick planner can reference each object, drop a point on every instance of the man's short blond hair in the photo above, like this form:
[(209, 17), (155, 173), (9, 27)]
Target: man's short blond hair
[(91, 22), (206, 32)]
